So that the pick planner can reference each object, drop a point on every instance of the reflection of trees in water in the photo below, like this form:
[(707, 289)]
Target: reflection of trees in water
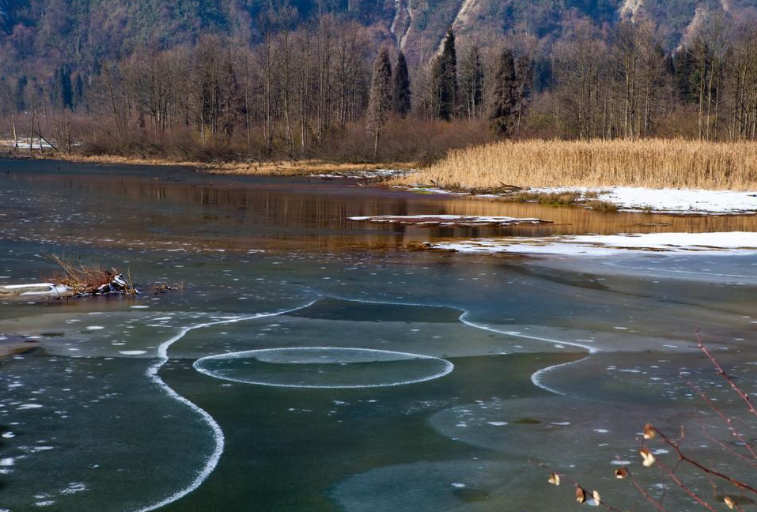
[(241, 213)]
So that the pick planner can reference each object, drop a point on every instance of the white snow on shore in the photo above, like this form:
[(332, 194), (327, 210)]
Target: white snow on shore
[(671, 200), (607, 245), (435, 190), (36, 289), (23, 143), (639, 199)]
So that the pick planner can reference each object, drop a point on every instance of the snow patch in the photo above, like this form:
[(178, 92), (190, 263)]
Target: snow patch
[(463, 15), (630, 8), (670, 200), (694, 27), (25, 407), (607, 245), (23, 143)]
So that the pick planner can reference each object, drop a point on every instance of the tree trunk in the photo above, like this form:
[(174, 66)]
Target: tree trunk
[(15, 135)]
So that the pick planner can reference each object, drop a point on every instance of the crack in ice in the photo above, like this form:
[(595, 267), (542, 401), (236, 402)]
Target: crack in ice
[(213, 459), (218, 436), (448, 367), (536, 378)]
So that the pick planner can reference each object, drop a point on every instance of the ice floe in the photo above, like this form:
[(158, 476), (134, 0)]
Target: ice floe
[(324, 367), (607, 245), (447, 220), (36, 289)]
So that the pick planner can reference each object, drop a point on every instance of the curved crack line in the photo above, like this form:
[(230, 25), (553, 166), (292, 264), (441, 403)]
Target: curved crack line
[(448, 368), (153, 374), (536, 377)]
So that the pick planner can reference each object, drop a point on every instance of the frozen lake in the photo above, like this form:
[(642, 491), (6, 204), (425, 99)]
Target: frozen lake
[(314, 363)]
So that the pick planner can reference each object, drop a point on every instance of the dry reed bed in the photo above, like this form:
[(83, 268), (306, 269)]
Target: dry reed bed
[(654, 163)]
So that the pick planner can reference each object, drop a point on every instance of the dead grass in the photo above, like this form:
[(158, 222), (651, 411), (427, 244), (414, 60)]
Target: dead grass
[(282, 168), (654, 163), (587, 200), (549, 198), (83, 278), (306, 167)]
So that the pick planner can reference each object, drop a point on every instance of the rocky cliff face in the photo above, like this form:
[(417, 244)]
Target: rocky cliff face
[(6, 22), (80, 32)]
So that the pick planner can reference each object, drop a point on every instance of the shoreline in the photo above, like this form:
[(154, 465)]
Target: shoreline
[(266, 168), (402, 176), (617, 199)]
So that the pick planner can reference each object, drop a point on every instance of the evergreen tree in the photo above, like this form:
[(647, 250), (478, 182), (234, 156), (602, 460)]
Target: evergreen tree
[(55, 95), (62, 95), (503, 113), (444, 80), (380, 103), (684, 71), (78, 91), (67, 90), (524, 74), (543, 74), (19, 94), (472, 83), (401, 87)]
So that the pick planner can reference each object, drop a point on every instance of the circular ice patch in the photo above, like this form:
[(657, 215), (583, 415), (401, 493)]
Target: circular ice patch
[(324, 367)]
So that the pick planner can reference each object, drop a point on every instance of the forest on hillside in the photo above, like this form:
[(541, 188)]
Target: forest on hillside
[(329, 86)]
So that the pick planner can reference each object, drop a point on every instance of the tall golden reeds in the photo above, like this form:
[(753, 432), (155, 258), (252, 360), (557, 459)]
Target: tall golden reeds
[(654, 163)]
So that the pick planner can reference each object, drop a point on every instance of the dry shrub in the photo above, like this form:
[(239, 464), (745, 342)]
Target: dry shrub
[(84, 278), (655, 163), (404, 140)]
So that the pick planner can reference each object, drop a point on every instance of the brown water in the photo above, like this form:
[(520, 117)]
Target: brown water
[(276, 213)]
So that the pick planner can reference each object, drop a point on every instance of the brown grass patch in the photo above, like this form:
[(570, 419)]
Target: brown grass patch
[(548, 198), (274, 168), (567, 198), (654, 163)]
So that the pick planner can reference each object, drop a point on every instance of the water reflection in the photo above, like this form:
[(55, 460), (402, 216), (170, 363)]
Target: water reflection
[(243, 213)]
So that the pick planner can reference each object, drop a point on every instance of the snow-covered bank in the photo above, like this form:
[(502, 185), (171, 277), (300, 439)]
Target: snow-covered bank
[(670, 200), (447, 220), (23, 143), (638, 199), (607, 245)]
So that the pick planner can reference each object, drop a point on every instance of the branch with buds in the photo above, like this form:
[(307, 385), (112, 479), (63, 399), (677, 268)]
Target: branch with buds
[(684, 459)]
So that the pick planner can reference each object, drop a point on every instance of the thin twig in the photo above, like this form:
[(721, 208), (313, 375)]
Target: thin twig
[(727, 378), (685, 458)]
